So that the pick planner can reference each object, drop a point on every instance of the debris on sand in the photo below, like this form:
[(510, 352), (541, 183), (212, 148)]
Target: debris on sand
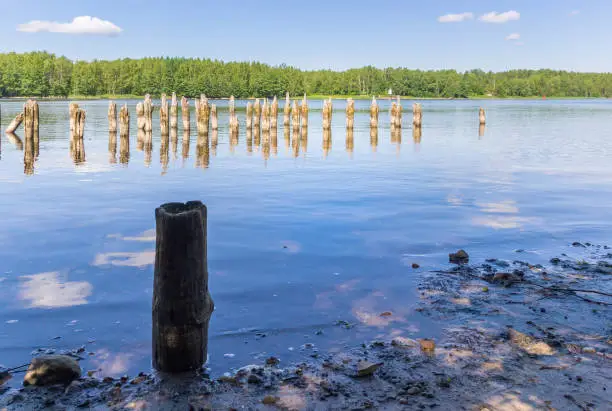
[(366, 368), (51, 370)]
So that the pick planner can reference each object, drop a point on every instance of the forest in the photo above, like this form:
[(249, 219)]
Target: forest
[(42, 74)]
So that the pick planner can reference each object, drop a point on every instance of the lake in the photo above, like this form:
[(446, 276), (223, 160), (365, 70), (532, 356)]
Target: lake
[(306, 244)]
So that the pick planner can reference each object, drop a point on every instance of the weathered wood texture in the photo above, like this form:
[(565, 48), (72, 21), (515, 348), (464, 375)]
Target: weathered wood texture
[(174, 112), (350, 113), (14, 125), (374, 110), (185, 114), (112, 117), (182, 305)]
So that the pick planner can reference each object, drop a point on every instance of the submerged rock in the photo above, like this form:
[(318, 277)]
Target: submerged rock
[(528, 343), (51, 370), (460, 257)]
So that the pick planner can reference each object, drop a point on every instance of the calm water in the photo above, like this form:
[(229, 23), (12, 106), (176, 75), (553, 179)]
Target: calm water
[(298, 238)]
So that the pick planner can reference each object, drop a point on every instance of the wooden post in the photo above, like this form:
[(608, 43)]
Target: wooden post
[(304, 112), (257, 114), (141, 122), (374, 110), (417, 115), (398, 113), (77, 144), (287, 111), (182, 305), (164, 119), (295, 117), (185, 114), (112, 117), (72, 110), (393, 115), (233, 120), (124, 135), (249, 115), (350, 113), (148, 113), (29, 112), (265, 117), (482, 117), (274, 114), (202, 114), (12, 127), (36, 129), (327, 113), (214, 121), (174, 112)]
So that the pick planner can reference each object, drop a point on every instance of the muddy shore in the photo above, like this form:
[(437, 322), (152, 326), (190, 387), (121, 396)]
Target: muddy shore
[(516, 336)]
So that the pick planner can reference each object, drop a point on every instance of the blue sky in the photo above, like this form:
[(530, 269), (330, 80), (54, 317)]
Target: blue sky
[(311, 34)]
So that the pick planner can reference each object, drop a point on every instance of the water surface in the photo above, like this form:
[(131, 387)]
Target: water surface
[(300, 236)]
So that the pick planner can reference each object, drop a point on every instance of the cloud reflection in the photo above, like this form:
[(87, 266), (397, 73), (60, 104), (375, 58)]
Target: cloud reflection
[(49, 290), (126, 259)]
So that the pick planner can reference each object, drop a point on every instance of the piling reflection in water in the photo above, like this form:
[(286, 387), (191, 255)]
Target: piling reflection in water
[(112, 147), (416, 135), (350, 141), (249, 141), (274, 140), (164, 155), (186, 138), (174, 139), (374, 138), (327, 142), (202, 153), (304, 138), (15, 140), (214, 141), (481, 130)]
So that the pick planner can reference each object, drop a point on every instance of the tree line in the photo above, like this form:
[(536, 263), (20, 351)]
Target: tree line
[(41, 74)]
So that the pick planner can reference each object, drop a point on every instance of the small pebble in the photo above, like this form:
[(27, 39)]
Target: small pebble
[(415, 266)]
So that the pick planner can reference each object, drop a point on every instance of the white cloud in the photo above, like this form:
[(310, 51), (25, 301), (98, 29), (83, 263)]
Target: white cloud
[(80, 25), (513, 36), (456, 18), (495, 17), (574, 12)]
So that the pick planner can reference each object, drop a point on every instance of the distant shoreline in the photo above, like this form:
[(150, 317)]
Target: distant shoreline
[(311, 97)]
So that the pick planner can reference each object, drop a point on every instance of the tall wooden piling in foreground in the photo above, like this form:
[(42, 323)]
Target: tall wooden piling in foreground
[(214, 120), (274, 114), (174, 112), (256, 114), (287, 111), (182, 305), (112, 117), (350, 113), (249, 115), (164, 118), (374, 110), (124, 135), (482, 116), (326, 114), (185, 114), (140, 116)]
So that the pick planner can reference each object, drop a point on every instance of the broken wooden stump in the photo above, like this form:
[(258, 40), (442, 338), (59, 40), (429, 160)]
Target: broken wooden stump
[(249, 115), (202, 114), (274, 114), (265, 117), (287, 111), (164, 117), (350, 113), (124, 135), (174, 112), (140, 116), (77, 118), (256, 114), (374, 110), (148, 113), (233, 120), (482, 117), (304, 112), (112, 117), (14, 125), (417, 115), (295, 117), (214, 120), (185, 114)]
